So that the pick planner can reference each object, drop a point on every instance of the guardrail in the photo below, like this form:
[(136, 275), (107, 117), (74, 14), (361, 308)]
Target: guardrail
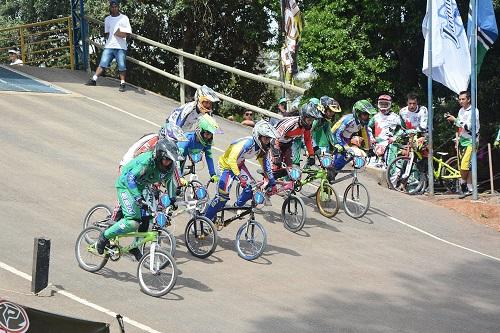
[(180, 78), (48, 43)]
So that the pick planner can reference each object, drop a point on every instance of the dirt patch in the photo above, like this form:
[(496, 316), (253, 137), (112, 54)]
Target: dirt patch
[(486, 210)]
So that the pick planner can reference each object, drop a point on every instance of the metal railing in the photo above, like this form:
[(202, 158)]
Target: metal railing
[(48, 43), (180, 78)]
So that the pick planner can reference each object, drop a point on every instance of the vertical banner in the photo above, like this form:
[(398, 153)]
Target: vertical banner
[(292, 28), (451, 62), (487, 29)]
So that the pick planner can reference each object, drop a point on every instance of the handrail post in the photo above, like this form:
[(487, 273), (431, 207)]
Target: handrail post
[(181, 75), (71, 45), (84, 36), (23, 47)]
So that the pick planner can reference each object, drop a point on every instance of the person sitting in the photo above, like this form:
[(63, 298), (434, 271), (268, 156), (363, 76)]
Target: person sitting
[(248, 119), (14, 57)]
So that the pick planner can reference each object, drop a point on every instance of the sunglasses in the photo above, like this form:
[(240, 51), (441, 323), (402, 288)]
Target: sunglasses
[(248, 114)]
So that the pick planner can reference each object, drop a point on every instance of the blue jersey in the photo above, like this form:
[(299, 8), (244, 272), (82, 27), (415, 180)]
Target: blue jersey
[(193, 146)]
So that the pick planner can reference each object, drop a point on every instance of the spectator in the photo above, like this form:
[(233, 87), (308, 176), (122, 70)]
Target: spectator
[(464, 123), (248, 118), (14, 57), (230, 118), (116, 29), (414, 116)]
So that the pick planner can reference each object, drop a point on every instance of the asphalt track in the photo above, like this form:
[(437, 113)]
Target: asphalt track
[(408, 266)]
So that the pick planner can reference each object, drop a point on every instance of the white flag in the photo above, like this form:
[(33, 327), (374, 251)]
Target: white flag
[(450, 49)]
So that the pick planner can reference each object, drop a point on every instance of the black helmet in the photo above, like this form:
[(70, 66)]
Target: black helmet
[(309, 110), (165, 149)]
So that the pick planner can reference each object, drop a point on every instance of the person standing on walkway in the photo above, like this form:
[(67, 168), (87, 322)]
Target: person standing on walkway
[(116, 29), (464, 124)]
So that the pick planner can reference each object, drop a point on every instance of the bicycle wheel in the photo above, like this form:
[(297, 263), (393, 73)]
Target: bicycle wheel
[(356, 200), (293, 213), (251, 240), (98, 216), (157, 275), (327, 200), (451, 184), (166, 242), (395, 171), (86, 253), (200, 237)]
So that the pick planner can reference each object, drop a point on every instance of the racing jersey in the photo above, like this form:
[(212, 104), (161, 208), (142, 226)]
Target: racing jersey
[(141, 172), (238, 151), (463, 122), (321, 133), (414, 120), (289, 129), (346, 127), (185, 116), (385, 125), (193, 146)]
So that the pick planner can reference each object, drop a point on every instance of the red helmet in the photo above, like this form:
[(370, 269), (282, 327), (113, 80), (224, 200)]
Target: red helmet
[(384, 103)]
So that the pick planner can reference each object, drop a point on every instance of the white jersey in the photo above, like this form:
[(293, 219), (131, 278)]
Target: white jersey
[(131, 152), (385, 125), (185, 116), (111, 25), (464, 124), (415, 120)]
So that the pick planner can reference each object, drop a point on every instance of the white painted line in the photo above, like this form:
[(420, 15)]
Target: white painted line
[(441, 239), (81, 300)]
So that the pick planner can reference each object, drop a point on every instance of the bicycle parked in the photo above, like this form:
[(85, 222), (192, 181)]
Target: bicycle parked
[(156, 270), (408, 173)]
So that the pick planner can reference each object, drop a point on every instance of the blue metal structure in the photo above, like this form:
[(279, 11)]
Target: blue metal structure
[(80, 35)]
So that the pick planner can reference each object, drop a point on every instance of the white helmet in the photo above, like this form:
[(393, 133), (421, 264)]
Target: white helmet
[(205, 93), (263, 128)]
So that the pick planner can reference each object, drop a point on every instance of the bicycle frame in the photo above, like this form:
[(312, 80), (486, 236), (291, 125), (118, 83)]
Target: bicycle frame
[(454, 172), (146, 237)]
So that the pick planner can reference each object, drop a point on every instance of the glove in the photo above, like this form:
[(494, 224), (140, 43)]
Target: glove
[(317, 151), (310, 161), (496, 144), (338, 148), (142, 203), (243, 181), (214, 179), (182, 181)]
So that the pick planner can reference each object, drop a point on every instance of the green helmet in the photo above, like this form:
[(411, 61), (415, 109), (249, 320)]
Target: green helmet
[(363, 106), (206, 123)]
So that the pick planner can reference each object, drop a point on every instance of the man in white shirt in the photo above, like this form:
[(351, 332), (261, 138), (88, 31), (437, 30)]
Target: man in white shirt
[(414, 116), (463, 122), (14, 58), (116, 29)]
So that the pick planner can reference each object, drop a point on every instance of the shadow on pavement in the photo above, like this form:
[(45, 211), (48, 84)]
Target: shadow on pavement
[(465, 298)]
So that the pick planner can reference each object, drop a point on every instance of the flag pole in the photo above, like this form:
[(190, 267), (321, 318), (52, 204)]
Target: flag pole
[(430, 166), (473, 89)]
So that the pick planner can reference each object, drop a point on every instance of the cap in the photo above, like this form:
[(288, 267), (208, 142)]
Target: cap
[(13, 51), (114, 2), (282, 100)]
